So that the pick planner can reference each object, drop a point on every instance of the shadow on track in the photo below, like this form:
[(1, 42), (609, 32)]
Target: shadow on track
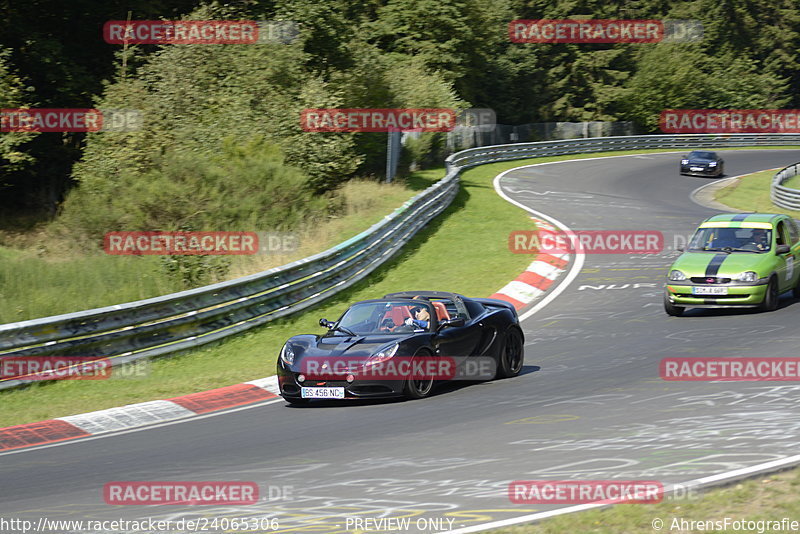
[(440, 389)]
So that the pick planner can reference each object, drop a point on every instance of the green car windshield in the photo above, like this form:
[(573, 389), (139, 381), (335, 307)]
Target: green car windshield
[(731, 239)]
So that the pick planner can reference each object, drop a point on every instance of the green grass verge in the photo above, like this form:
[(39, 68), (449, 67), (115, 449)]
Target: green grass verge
[(464, 250), (793, 182), (751, 193), (766, 498)]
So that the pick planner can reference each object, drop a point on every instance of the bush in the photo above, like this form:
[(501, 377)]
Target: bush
[(242, 188)]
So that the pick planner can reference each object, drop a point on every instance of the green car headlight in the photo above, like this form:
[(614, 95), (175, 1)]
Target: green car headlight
[(676, 275), (287, 355), (747, 276)]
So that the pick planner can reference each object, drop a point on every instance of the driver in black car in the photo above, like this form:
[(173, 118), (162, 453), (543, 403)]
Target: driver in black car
[(421, 317)]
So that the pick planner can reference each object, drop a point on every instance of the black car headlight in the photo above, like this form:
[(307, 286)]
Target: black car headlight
[(287, 354), (382, 355), (684, 162), (676, 275), (712, 164)]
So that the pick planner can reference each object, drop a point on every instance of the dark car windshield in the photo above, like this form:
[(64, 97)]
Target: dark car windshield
[(731, 239), (387, 317), (702, 155)]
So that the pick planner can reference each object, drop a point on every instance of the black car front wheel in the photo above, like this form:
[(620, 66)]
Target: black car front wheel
[(418, 388), (512, 355)]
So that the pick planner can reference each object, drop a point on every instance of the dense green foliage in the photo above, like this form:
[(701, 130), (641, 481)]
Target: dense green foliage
[(200, 102), (59, 59), (12, 157)]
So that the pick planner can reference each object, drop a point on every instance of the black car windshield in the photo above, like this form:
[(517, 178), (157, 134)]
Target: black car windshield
[(387, 317), (731, 240), (702, 155)]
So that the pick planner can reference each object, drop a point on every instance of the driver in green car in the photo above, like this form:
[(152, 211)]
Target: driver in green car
[(760, 238)]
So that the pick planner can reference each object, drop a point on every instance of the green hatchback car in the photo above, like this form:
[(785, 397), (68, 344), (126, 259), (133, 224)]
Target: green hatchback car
[(742, 260)]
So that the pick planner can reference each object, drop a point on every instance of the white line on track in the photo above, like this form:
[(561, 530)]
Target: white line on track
[(139, 429), (577, 265)]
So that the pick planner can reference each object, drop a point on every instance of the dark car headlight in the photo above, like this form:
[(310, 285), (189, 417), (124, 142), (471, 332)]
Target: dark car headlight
[(287, 354), (382, 356), (684, 162), (712, 163)]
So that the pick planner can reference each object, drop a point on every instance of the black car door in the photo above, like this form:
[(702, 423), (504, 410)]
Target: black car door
[(460, 341)]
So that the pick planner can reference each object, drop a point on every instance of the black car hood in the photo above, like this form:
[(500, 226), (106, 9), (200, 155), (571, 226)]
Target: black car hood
[(350, 346)]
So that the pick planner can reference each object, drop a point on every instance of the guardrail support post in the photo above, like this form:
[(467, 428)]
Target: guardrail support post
[(392, 155)]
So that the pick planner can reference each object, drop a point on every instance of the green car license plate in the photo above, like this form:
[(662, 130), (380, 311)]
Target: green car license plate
[(709, 290), (322, 393)]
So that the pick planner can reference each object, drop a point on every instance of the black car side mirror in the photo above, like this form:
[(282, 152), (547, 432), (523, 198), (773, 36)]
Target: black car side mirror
[(455, 321), (782, 249), (326, 323)]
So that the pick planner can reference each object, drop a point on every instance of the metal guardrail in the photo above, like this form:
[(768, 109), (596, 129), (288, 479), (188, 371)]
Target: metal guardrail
[(785, 197), (188, 319), (489, 154)]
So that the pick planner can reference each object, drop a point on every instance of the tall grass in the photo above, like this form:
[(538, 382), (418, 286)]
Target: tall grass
[(32, 287), (42, 276)]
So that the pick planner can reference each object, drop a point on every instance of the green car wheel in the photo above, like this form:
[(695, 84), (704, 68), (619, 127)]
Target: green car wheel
[(771, 296), (671, 309)]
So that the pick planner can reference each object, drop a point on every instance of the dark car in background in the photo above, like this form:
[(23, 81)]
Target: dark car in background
[(702, 163), (353, 359)]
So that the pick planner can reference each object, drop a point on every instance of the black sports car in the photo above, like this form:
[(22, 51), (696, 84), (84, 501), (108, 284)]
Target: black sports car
[(702, 163), (402, 345)]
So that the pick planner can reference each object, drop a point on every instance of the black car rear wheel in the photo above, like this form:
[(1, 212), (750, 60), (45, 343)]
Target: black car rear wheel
[(512, 355), (418, 388)]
